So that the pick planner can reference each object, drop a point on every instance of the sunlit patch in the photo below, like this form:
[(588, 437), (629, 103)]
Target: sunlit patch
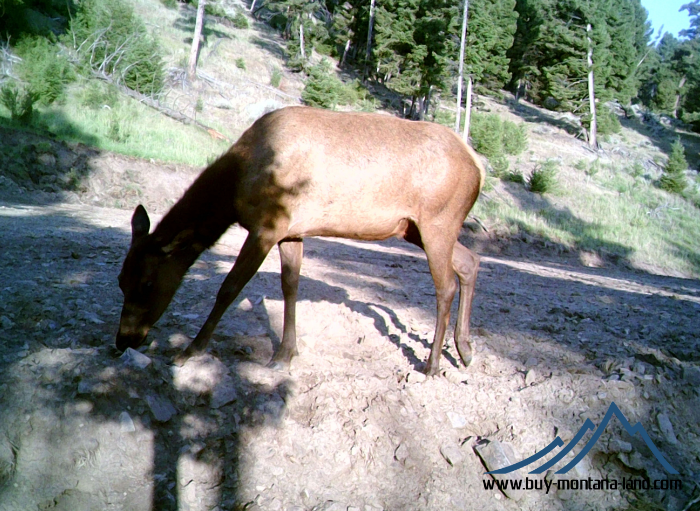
[(77, 279)]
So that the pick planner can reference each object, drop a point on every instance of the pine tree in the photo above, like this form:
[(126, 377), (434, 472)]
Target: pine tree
[(673, 178)]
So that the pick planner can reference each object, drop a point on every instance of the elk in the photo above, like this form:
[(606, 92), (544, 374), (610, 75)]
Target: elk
[(299, 172)]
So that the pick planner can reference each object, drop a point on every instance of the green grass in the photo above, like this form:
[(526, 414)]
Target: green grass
[(620, 214), (125, 127)]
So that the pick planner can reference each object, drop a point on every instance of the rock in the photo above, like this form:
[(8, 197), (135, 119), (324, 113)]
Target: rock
[(530, 377), (134, 358), (7, 459), (162, 409), (666, 428), (691, 374), (452, 454), (532, 362), (632, 460), (456, 377), (619, 446), (457, 421), (496, 455), (126, 424), (224, 393), (401, 453), (415, 377), (246, 305), (6, 323)]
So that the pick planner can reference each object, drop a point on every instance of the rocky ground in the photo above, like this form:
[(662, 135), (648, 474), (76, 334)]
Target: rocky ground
[(354, 424)]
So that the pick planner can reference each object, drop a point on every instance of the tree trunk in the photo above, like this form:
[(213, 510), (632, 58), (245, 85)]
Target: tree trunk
[(192, 67), (468, 112), (368, 54), (677, 103), (252, 6), (426, 104), (593, 135), (465, 12), (345, 52), (301, 41)]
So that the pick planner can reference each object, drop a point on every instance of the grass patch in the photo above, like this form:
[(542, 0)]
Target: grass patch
[(122, 125), (620, 215)]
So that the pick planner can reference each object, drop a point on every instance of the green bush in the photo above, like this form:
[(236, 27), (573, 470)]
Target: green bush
[(514, 176), (514, 137), (608, 122), (673, 178), (543, 178), (96, 95), (323, 89), (240, 21), (110, 39), (43, 68), (500, 165), (20, 102), (275, 77), (493, 136), (240, 63)]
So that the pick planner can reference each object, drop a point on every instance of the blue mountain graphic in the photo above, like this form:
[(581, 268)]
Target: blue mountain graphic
[(587, 426)]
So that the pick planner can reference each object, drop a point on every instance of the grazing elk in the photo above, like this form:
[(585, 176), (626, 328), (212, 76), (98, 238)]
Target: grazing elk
[(300, 172)]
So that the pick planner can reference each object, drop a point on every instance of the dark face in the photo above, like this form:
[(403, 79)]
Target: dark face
[(148, 281)]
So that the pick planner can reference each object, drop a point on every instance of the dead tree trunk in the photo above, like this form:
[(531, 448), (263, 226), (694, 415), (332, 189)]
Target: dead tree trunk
[(301, 41), (593, 135), (192, 67), (465, 13), (468, 111), (368, 54), (677, 103)]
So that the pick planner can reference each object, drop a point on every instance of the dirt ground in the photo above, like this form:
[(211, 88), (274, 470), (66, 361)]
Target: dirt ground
[(353, 425)]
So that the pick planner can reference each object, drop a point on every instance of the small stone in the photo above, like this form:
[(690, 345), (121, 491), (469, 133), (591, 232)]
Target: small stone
[(6, 323), (457, 420), (401, 453), (691, 374), (452, 454), (633, 460), (85, 387), (530, 377), (531, 362), (456, 377), (126, 424), (415, 377), (224, 393), (162, 409), (246, 305), (666, 428), (134, 358), (619, 446), (496, 455)]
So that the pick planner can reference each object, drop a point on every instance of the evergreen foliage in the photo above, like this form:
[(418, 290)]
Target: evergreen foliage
[(673, 178), (543, 178), (45, 70), (110, 39), (19, 101), (493, 137)]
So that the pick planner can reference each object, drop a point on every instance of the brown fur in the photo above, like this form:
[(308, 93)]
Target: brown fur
[(300, 172)]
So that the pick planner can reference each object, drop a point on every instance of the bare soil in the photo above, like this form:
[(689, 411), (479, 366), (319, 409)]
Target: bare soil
[(353, 424)]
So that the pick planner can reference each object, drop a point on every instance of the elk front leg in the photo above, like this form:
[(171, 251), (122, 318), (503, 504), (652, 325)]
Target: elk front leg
[(249, 259), (291, 254)]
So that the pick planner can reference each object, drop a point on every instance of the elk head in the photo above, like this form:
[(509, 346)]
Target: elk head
[(149, 278)]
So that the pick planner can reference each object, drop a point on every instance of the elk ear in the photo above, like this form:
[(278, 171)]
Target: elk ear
[(140, 224)]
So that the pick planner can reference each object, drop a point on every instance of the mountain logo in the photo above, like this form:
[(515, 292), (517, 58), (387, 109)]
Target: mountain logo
[(587, 426)]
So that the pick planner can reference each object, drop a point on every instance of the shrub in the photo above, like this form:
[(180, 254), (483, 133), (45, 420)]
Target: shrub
[(494, 137), (500, 165), (486, 132), (543, 178), (514, 176), (514, 137), (97, 94), (240, 63), (275, 77), (20, 102), (110, 39), (322, 88), (46, 71), (673, 178), (608, 122), (240, 21)]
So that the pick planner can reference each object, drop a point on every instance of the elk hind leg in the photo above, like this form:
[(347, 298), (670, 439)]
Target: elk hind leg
[(439, 254), (249, 259), (466, 265), (291, 254)]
